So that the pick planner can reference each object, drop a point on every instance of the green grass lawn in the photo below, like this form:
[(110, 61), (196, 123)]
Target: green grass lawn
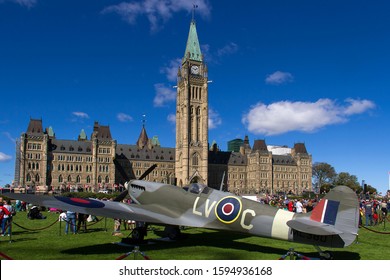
[(37, 240)]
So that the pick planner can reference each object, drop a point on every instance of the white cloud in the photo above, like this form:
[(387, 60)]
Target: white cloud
[(278, 78), (286, 116), (358, 106), (229, 49), (122, 117), (25, 3), (214, 119), (81, 115), (156, 11), (171, 70), (163, 95), (8, 135), (172, 118), (4, 157)]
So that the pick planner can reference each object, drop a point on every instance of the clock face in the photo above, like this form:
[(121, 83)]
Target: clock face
[(195, 69)]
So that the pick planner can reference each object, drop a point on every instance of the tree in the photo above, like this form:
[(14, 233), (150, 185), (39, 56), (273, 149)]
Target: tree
[(346, 179), (323, 173)]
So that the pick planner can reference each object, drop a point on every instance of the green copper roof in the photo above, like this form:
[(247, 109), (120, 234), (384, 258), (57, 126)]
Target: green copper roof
[(82, 135), (50, 132), (193, 49)]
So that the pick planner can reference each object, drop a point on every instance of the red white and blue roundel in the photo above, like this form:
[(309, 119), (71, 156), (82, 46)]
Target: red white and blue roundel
[(81, 202), (228, 209)]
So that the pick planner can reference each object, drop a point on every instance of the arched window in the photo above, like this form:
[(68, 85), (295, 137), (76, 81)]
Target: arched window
[(107, 180), (69, 178), (60, 179), (195, 159), (37, 178), (28, 178), (99, 179), (78, 179), (88, 179)]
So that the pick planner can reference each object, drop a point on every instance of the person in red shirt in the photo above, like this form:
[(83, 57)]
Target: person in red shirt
[(3, 211)]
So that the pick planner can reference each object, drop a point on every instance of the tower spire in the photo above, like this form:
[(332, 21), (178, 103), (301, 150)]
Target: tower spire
[(192, 51)]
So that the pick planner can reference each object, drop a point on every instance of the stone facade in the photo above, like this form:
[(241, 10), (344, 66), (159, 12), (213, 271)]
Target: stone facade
[(100, 162)]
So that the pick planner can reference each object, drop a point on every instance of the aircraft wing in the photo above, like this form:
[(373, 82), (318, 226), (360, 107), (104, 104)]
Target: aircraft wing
[(110, 209), (313, 227)]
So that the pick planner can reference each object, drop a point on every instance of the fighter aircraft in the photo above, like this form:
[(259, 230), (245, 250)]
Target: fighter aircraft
[(333, 223)]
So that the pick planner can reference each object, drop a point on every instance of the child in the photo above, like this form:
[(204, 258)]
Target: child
[(375, 218)]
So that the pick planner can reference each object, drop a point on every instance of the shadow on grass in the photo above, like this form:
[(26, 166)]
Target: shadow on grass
[(221, 240)]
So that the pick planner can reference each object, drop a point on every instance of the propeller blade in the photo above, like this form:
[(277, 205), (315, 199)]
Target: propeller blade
[(146, 173), (121, 196)]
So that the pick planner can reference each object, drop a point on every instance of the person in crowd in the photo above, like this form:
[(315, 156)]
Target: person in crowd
[(375, 217), (298, 207), (368, 211), (309, 206), (82, 221), (70, 222), (384, 208), (7, 216), (3, 212)]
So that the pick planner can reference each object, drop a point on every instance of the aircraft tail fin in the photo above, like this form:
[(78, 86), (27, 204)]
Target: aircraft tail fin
[(340, 210)]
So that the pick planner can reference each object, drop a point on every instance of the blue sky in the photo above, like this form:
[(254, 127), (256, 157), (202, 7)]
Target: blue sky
[(284, 71)]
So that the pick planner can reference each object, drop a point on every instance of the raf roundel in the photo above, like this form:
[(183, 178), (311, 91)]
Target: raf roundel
[(81, 202), (228, 209)]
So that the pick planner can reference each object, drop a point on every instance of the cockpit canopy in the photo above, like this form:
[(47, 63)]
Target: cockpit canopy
[(197, 188)]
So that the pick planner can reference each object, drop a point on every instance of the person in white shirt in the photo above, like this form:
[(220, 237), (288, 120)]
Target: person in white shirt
[(298, 207)]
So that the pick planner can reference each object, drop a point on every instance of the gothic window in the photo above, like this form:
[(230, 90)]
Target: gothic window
[(69, 178), (88, 179), (28, 178), (107, 180), (99, 179), (60, 179), (37, 178), (195, 159), (78, 179)]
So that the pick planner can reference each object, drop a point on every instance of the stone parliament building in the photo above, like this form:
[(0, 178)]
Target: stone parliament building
[(100, 162)]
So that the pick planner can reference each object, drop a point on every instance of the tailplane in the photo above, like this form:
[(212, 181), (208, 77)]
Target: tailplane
[(334, 222), (340, 208)]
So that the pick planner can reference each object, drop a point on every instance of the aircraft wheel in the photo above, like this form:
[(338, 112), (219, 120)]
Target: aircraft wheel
[(172, 232), (138, 234)]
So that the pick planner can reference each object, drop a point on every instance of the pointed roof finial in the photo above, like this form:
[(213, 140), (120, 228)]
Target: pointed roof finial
[(143, 120), (194, 6)]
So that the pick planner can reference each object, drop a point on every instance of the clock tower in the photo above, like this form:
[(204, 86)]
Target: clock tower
[(191, 165)]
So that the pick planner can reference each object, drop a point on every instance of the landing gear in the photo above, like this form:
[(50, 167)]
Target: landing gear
[(324, 255), (172, 232), (138, 234)]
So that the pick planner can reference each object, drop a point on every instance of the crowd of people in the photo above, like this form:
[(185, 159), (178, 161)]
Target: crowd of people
[(373, 210), (297, 205)]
